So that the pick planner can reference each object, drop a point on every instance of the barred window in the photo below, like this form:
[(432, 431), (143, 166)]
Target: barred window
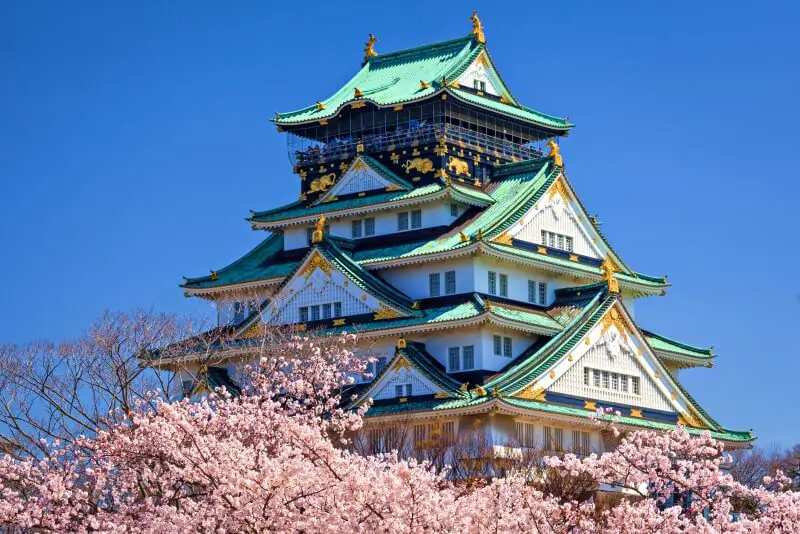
[(398, 390), (623, 383), (453, 359), (525, 434), (532, 291), (558, 439), (337, 309), (402, 221), (498, 346), (369, 226), (416, 219), (434, 283), (454, 210), (448, 433), (303, 314), (409, 389), (315, 312), (596, 378), (580, 442), (611, 381), (635, 385), (326, 311), (492, 282), (468, 355), (606, 380), (586, 373), (507, 347), (503, 285), (559, 241), (449, 282), (543, 293), (356, 229)]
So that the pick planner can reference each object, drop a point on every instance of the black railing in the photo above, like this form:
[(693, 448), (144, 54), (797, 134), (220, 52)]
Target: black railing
[(303, 151)]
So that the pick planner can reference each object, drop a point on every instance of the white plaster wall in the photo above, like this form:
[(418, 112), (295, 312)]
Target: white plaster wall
[(477, 71), (438, 344), (519, 343), (413, 279), (608, 355), (518, 276), (419, 384), (295, 237), (555, 215), (504, 432)]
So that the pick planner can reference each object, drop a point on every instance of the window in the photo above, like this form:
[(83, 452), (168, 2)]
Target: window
[(409, 390), (543, 293), (507, 347), (326, 311), (315, 312), (447, 434), (416, 219), (402, 221), (525, 434), (434, 281), (453, 359), (558, 439), (503, 285), (553, 438), (420, 434), (611, 381), (476, 84), (398, 390), (559, 241), (492, 283), (449, 282), (303, 314), (498, 346), (580, 443), (369, 226), (468, 354), (337, 309), (532, 291), (356, 228), (483, 86), (454, 210)]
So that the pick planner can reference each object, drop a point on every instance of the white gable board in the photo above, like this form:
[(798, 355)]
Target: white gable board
[(554, 213), (609, 356), (318, 283), (614, 346), (402, 375), (358, 178), (481, 70)]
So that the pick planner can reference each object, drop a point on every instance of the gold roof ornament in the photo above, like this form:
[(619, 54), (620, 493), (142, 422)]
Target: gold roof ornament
[(214, 275), (320, 106), (369, 47), (479, 236), (423, 84), (555, 153), (401, 343), (608, 268), (358, 93), (477, 27), (495, 392), (319, 230), (463, 236), (464, 387)]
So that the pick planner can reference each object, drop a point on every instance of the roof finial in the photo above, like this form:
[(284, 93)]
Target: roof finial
[(369, 48), (608, 268), (555, 153), (319, 230), (477, 27)]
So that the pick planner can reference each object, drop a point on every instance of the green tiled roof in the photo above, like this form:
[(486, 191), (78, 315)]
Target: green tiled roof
[(394, 78), (662, 343), (364, 279), (261, 263), (299, 209), (456, 312), (722, 434)]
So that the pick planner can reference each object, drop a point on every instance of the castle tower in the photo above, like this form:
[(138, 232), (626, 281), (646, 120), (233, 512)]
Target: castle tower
[(435, 219)]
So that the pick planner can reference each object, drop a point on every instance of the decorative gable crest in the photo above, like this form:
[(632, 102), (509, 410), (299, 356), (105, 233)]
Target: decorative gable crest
[(363, 175)]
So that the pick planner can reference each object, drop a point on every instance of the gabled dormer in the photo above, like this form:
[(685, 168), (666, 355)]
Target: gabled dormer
[(364, 175)]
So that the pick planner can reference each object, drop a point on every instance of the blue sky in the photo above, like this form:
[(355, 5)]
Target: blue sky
[(134, 137)]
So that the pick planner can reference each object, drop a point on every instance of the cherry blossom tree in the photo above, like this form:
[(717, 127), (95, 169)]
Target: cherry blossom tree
[(277, 459)]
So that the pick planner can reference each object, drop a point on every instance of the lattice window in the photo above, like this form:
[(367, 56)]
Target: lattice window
[(532, 291), (449, 282), (434, 284), (543, 293), (468, 357), (453, 359), (416, 219), (507, 347), (503, 285), (498, 345), (492, 283), (526, 434), (402, 221)]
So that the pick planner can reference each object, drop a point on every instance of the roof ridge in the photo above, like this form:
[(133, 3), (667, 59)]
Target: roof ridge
[(686, 346), (417, 49)]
